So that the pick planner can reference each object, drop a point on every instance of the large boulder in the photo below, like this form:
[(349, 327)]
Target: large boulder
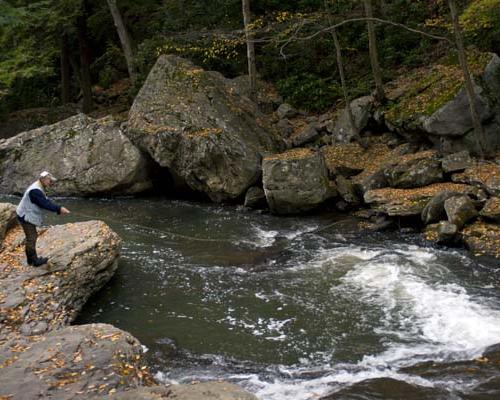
[(196, 124), (435, 105), (82, 258), (409, 202), (88, 157), (295, 181), (443, 232), (76, 362)]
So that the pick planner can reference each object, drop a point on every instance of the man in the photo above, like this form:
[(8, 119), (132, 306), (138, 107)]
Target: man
[(29, 214)]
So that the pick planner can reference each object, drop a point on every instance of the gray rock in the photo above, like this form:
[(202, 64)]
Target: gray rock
[(491, 209), (198, 391), (76, 362), (295, 181), (417, 172), (286, 111), (361, 110), (195, 124), (285, 127), (485, 175), (443, 232), (460, 210), (483, 239), (375, 180), (82, 258), (255, 198), (457, 161), (308, 134), (7, 218), (434, 210), (346, 190), (454, 119), (87, 156)]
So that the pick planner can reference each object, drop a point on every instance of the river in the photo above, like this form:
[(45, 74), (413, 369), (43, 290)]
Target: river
[(292, 307)]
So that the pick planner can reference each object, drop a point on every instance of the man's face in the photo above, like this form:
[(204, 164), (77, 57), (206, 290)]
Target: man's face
[(46, 181)]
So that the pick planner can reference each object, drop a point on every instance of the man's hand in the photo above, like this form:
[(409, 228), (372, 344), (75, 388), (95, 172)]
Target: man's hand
[(64, 210)]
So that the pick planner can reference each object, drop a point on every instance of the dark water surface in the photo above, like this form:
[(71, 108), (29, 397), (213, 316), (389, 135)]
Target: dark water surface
[(293, 308)]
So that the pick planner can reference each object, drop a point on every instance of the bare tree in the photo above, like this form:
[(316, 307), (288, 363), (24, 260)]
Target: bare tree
[(124, 39), (377, 74), (252, 66), (85, 58), (65, 70), (478, 128)]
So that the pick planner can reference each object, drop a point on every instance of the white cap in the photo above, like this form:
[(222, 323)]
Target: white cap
[(47, 174)]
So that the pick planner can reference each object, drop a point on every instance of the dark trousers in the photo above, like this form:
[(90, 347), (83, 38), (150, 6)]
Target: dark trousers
[(31, 237)]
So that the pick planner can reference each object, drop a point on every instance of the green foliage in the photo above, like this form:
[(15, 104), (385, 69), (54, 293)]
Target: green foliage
[(481, 24), (309, 92)]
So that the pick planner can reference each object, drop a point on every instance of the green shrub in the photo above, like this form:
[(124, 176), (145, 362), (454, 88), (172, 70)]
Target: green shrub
[(309, 92)]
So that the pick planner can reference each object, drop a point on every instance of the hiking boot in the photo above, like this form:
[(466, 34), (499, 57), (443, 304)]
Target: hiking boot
[(30, 257), (40, 261)]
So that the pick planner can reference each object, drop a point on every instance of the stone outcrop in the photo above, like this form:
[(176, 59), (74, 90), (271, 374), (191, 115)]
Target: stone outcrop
[(414, 170), (196, 124), (434, 105), (82, 258), (76, 362), (88, 156), (408, 202), (295, 181)]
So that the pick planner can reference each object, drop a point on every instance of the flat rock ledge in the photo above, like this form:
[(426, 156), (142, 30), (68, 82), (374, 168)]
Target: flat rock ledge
[(40, 355), (82, 258)]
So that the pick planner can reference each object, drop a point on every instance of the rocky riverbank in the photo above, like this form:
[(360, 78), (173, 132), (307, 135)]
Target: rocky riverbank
[(41, 356), (413, 160)]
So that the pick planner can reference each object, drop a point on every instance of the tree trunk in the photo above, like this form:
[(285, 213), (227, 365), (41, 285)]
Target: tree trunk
[(340, 66), (124, 39), (65, 71), (377, 74), (478, 128), (85, 59), (252, 66)]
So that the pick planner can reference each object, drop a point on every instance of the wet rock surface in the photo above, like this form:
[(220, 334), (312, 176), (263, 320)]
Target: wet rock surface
[(88, 156)]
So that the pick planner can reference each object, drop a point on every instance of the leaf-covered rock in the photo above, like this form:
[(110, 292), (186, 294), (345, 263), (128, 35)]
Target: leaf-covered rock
[(196, 124)]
